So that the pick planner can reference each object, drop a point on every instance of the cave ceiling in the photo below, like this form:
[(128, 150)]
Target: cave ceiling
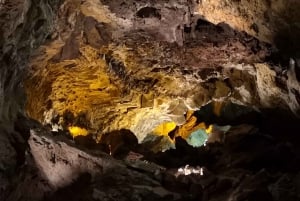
[(137, 65), (192, 97)]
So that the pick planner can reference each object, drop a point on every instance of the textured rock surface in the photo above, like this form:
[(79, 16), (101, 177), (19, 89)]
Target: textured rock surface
[(248, 165), (23, 26), (120, 69), (264, 19), (60, 171), (115, 66)]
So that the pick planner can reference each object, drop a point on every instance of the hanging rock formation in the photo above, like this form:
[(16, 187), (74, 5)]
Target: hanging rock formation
[(118, 65), (79, 76)]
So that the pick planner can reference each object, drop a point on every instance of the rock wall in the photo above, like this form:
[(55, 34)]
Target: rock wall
[(137, 64), (24, 25)]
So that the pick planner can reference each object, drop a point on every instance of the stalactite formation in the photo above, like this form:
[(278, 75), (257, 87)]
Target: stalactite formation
[(149, 100)]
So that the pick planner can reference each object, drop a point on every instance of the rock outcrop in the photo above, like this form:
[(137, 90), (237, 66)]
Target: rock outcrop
[(248, 164), (117, 65), (157, 71), (24, 25)]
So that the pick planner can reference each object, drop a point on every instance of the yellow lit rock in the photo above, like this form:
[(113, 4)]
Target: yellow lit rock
[(201, 125), (185, 130), (189, 114), (77, 131), (165, 128), (209, 130), (103, 82), (191, 126)]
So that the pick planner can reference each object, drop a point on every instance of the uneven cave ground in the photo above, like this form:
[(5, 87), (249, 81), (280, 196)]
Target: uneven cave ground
[(254, 161), (126, 92)]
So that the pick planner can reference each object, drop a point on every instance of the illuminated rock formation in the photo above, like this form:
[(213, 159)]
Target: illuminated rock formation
[(98, 73)]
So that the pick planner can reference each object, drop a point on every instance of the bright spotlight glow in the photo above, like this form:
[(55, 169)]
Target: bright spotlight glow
[(77, 131), (187, 170), (165, 128)]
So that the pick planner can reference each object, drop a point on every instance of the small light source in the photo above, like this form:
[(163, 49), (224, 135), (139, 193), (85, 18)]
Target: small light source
[(187, 170), (205, 143), (77, 131)]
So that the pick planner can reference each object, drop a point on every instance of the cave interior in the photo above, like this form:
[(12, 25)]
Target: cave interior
[(149, 100)]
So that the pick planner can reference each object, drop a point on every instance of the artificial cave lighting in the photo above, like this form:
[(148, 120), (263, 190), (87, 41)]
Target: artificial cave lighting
[(191, 126), (199, 134), (164, 128), (149, 100), (77, 131), (197, 138), (189, 170)]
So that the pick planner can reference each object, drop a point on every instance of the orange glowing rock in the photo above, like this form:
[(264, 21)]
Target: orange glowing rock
[(191, 126)]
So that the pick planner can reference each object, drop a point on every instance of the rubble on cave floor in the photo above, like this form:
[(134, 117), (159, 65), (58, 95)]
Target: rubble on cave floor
[(250, 164)]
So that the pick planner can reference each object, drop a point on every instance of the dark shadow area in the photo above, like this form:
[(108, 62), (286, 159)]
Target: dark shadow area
[(69, 119), (267, 140), (202, 24), (26, 182), (76, 191), (89, 142), (148, 12), (282, 124), (230, 114), (22, 126), (287, 38), (119, 143), (251, 159)]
